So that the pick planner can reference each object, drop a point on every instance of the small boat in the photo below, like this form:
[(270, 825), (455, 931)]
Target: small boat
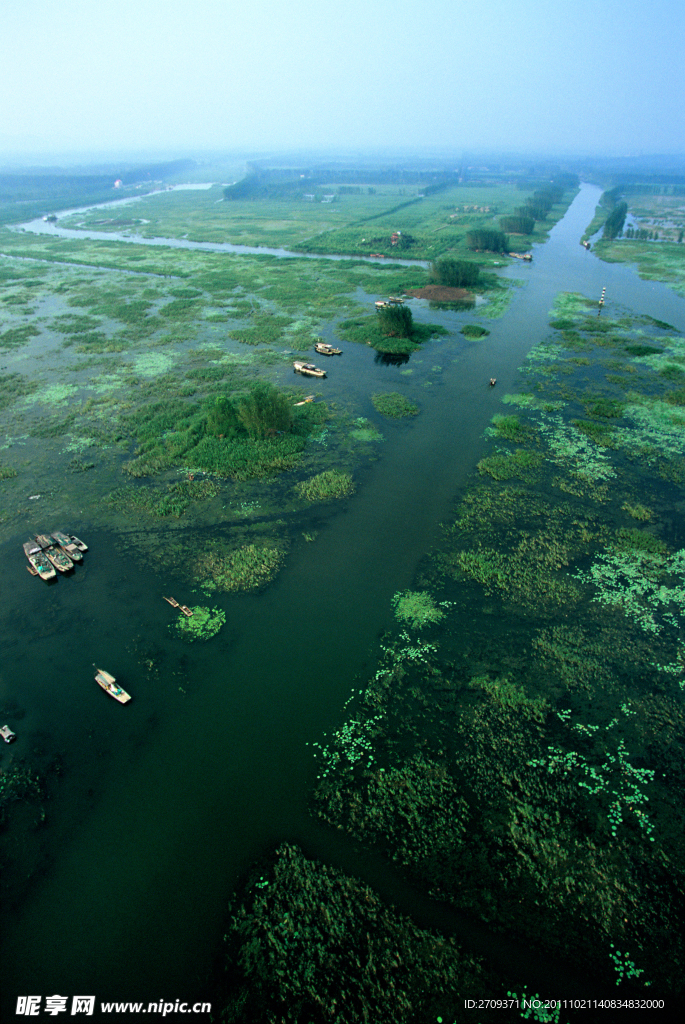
[(309, 398), (522, 256), (40, 565), (79, 543), (324, 348), (185, 609), (381, 304), (59, 558), (7, 734), (172, 601), (307, 369), (109, 685), (67, 544), (493, 381), (395, 300)]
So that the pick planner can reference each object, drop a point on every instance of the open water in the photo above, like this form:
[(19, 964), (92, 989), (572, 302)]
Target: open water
[(121, 892)]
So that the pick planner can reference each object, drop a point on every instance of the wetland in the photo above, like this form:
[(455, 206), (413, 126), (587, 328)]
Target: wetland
[(423, 736)]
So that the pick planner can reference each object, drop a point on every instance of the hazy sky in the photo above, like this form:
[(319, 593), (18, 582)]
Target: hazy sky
[(584, 76)]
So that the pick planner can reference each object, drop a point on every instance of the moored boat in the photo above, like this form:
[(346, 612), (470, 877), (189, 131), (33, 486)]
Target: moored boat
[(109, 685), (307, 369), (7, 734), (79, 543), (37, 560), (324, 348), (67, 544), (59, 558), (172, 601)]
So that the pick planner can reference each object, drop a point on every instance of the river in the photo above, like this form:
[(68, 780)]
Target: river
[(167, 801)]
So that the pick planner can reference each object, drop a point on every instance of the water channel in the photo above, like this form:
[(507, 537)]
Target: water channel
[(124, 889)]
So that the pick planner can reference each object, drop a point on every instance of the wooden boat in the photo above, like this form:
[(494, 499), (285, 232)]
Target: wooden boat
[(324, 348), (521, 256), (7, 734), (381, 304), (59, 558), (79, 543), (395, 300), (172, 601), (307, 369), (309, 398), (185, 609), (109, 685), (37, 561), (68, 545)]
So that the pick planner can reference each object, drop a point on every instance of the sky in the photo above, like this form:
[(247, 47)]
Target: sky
[(177, 77)]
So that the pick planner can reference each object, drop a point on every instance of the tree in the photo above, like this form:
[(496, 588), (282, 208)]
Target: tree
[(454, 273), (487, 239), (265, 410), (396, 321)]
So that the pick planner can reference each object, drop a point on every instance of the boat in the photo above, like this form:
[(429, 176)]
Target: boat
[(521, 256), (40, 565), (7, 734), (381, 304), (309, 398), (59, 558), (324, 348), (307, 369), (185, 609), (172, 601), (68, 545), (79, 543), (395, 300), (109, 685)]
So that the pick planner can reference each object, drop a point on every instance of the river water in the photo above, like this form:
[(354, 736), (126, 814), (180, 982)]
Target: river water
[(122, 892)]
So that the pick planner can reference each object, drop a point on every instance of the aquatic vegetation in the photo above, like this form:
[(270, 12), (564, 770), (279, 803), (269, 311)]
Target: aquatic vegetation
[(332, 483), (394, 405), (509, 428), (312, 943), (508, 465), (7, 472), (417, 608), (625, 967), (634, 580), (247, 567), (474, 331), (572, 449), (363, 430), (15, 337), (203, 624)]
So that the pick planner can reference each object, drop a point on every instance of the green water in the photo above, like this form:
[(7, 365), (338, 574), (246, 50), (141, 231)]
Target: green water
[(121, 891)]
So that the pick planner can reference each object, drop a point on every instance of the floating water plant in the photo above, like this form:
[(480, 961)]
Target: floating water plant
[(394, 405), (417, 608), (624, 966), (330, 484), (203, 624)]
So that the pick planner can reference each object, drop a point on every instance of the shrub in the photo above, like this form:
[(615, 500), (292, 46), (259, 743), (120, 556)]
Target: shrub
[(416, 608)]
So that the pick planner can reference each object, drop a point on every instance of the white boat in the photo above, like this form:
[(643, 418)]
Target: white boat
[(109, 685), (7, 734)]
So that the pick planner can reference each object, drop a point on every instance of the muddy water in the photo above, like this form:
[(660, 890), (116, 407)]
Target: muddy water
[(167, 800)]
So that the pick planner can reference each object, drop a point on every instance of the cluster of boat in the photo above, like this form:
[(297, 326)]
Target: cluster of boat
[(51, 553), (324, 348)]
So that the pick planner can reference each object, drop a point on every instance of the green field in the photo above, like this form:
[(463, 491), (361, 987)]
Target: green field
[(354, 224)]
